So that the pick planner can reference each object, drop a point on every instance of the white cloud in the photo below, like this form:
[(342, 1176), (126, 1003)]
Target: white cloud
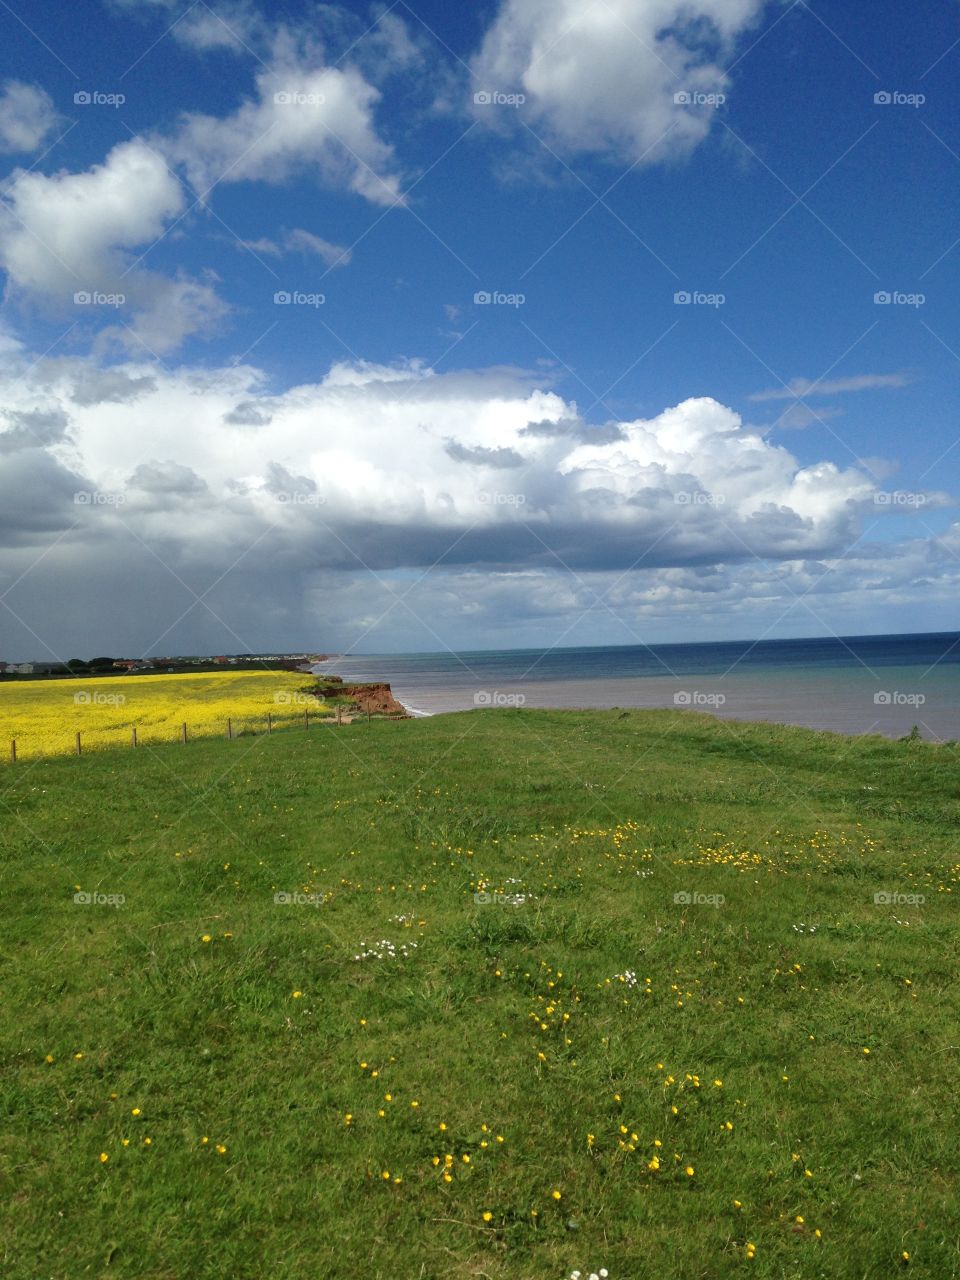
[(77, 233), (305, 118), (27, 116), (341, 485), (603, 77), (299, 241), (799, 388)]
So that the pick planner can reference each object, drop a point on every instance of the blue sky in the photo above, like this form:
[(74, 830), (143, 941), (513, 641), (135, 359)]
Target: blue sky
[(784, 198)]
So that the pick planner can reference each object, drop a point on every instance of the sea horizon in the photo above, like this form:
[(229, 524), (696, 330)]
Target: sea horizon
[(856, 684)]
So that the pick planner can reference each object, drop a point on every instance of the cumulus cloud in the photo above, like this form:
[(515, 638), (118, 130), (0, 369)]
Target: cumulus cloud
[(634, 80), (306, 505), (70, 240), (304, 118), (27, 116)]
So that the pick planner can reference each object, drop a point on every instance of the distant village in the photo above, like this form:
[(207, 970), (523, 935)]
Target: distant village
[(156, 666)]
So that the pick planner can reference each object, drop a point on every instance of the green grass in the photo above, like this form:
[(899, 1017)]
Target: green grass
[(597, 820)]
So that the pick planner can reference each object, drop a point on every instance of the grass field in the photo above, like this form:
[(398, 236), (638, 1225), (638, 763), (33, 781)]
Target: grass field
[(44, 716), (541, 992)]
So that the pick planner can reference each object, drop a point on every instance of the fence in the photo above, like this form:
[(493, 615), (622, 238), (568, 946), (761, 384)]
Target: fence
[(231, 732)]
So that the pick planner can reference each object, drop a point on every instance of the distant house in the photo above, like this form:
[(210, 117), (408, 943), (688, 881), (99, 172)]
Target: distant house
[(127, 664), (23, 668), (222, 660)]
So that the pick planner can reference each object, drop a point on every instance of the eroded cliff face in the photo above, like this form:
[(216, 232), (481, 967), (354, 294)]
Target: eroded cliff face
[(377, 699)]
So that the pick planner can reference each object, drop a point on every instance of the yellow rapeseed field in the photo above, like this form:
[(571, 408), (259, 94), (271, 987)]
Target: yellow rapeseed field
[(44, 716)]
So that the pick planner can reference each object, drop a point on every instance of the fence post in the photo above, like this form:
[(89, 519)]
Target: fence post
[(133, 735), (13, 751), (183, 732), (269, 722), (306, 718), (229, 727), (339, 715), (78, 742)]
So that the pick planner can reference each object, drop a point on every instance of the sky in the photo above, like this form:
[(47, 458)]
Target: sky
[(414, 326)]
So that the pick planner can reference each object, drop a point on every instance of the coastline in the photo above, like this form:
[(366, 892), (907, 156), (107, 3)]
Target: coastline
[(901, 682)]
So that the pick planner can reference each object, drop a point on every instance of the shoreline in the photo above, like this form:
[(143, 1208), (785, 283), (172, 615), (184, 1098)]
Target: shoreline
[(851, 701)]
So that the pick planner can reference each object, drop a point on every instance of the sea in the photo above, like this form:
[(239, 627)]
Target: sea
[(848, 684)]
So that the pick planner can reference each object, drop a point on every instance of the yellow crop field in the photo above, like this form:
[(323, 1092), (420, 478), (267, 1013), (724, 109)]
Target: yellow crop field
[(44, 716)]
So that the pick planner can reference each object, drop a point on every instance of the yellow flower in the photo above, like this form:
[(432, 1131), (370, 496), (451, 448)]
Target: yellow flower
[(689, 1171), (49, 1058), (125, 1142), (135, 1111), (654, 1164), (221, 1149), (385, 1175), (147, 1142), (442, 1127), (205, 938), (104, 1157), (488, 1216), (555, 1194), (388, 1097), (297, 995)]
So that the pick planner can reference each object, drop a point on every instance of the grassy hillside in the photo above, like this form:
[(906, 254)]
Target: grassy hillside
[(541, 992)]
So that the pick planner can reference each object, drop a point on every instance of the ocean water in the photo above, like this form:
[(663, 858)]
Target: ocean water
[(851, 684)]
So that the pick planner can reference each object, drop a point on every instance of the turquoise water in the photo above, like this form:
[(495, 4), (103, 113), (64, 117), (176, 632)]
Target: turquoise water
[(851, 684)]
